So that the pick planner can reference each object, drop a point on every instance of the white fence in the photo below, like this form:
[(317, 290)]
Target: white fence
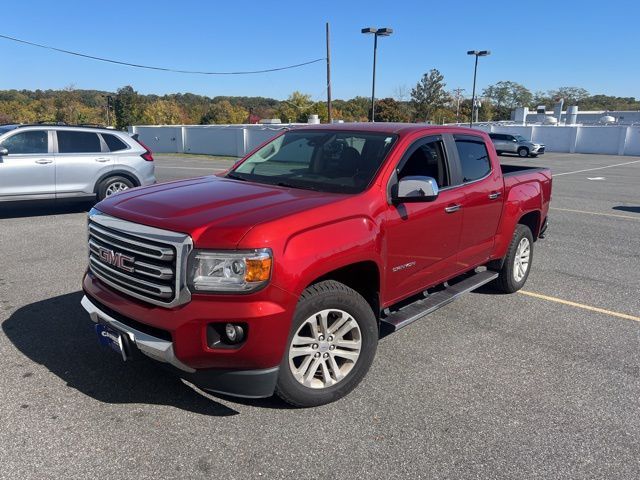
[(610, 140), (237, 140), (226, 140)]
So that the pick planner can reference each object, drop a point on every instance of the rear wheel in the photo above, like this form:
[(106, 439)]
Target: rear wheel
[(523, 152), (332, 344), (517, 263), (112, 185)]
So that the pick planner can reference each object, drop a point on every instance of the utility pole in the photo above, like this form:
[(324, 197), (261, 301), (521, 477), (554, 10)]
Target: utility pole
[(108, 110), (329, 109), (458, 91)]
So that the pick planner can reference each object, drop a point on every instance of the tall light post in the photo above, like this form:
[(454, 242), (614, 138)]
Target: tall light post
[(477, 53), (377, 32)]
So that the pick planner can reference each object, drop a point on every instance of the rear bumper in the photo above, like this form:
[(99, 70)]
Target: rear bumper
[(243, 383)]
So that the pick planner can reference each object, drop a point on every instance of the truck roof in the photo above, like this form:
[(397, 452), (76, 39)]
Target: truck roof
[(387, 127)]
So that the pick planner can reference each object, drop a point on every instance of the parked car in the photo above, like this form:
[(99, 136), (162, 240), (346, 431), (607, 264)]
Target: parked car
[(54, 161), (507, 143), (280, 274)]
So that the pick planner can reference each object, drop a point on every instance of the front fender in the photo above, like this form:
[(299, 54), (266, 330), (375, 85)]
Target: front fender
[(312, 253)]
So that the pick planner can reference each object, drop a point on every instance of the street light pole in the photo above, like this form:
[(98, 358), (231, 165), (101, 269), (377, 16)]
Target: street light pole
[(477, 53), (377, 32)]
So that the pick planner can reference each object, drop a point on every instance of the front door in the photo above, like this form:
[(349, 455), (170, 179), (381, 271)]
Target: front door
[(421, 239), (28, 171)]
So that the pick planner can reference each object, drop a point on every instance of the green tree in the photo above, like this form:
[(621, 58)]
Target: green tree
[(429, 95), (505, 96), (571, 95), (390, 110), (127, 107), (163, 112), (224, 113), (296, 108)]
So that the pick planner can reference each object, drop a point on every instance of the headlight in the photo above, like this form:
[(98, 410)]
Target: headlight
[(229, 271)]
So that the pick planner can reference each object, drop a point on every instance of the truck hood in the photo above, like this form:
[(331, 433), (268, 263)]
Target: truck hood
[(217, 212)]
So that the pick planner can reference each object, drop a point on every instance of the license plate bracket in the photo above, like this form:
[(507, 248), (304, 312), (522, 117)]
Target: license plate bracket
[(112, 338)]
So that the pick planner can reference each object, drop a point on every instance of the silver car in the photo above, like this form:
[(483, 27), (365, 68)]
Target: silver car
[(54, 162), (507, 143)]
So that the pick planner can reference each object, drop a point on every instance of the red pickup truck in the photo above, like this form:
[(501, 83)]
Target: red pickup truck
[(280, 275)]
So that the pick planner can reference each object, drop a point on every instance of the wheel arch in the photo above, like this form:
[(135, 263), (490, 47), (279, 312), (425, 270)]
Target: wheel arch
[(363, 277), (116, 173)]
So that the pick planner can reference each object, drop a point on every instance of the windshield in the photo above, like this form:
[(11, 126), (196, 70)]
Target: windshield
[(520, 138), (6, 128), (327, 161)]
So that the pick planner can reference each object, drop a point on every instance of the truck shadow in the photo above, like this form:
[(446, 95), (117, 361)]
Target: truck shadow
[(58, 334), (42, 208), (625, 208)]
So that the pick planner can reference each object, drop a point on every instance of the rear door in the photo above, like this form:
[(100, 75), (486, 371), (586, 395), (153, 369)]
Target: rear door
[(81, 159), (422, 238), (498, 141), (28, 171), (483, 189)]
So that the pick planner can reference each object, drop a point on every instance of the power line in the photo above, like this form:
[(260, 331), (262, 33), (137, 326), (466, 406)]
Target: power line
[(148, 67)]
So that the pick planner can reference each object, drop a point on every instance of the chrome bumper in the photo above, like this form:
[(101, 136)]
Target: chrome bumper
[(153, 347)]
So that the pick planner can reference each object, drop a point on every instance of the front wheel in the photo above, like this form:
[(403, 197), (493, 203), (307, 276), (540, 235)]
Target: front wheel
[(517, 263), (333, 342), (523, 152)]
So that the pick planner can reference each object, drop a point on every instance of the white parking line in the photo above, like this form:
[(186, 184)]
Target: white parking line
[(597, 168), (595, 213)]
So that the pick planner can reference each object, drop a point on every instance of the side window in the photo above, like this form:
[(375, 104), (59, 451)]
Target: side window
[(32, 141), (428, 160), (474, 159), (78, 142), (113, 142)]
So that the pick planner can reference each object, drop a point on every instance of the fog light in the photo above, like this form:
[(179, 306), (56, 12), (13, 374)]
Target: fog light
[(234, 333)]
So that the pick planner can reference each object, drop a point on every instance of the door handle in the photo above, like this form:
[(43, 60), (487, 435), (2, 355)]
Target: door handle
[(453, 208), (494, 195), (43, 161), (102, 159)]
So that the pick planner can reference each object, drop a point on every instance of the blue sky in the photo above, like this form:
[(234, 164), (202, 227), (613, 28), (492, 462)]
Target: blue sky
[(542, 44)]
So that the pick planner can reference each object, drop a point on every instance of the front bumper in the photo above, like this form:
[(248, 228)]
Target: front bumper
[(537, 149), (243, 383)]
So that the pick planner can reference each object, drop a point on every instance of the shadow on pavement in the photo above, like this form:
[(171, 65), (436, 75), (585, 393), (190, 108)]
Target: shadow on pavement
[(58, 334), (42, 208), (625, 208)]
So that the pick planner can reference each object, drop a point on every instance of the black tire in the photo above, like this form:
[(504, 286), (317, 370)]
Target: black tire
[(104, 185), (507, 281), (523, 152), (324, 295)]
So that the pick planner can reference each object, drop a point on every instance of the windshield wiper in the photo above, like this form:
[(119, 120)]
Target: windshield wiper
[(291, 185), (235, 177)]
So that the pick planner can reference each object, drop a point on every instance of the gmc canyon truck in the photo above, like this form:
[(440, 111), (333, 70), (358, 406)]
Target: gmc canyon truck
[(281, 274)]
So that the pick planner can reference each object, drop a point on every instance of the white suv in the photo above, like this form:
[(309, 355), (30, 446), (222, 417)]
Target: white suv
[(55, 162)]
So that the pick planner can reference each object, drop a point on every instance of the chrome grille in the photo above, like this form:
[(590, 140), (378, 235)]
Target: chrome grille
[(144, 262)]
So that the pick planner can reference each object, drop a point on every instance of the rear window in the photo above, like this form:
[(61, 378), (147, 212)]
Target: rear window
[(78, 142), (113, 142), (474, 159)]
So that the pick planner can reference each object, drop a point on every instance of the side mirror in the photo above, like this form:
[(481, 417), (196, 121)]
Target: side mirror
[(3, 152), (416, 189)]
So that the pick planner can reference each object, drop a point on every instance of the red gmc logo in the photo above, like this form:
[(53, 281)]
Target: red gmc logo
[(123, 262)]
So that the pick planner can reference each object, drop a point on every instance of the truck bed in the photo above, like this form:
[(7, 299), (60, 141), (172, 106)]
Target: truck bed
[(518, 169)]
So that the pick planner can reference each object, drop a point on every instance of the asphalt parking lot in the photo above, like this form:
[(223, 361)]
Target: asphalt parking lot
[(540, 384)]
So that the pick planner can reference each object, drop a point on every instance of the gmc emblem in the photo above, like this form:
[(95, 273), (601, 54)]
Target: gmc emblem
[(123, 262)]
